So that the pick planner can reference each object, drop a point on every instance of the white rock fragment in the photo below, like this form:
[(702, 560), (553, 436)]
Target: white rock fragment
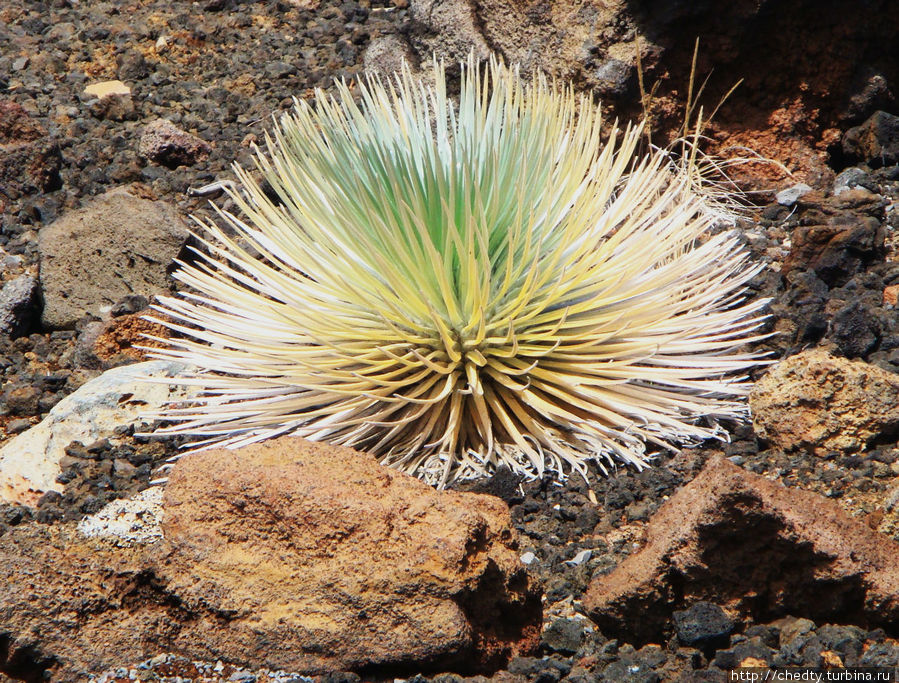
[(29, 463), (580, 558), (128, 522), (107, 88), (791, 195), (528, 558)]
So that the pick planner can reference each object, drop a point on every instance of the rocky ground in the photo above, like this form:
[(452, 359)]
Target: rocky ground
[(216, 70)]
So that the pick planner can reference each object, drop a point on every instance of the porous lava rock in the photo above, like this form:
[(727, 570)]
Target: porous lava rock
[(875, 142), (703, 624), (287, 555), (824, 403), (29, 158), (166, 144), (18, 304), (118, 244), (756, 549), (344, 563), (839, 236)]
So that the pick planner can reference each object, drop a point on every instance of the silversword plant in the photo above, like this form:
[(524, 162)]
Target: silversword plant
[(454, 286)]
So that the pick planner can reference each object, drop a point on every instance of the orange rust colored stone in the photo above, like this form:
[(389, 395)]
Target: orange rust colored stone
[(891, 295), (123, 334)]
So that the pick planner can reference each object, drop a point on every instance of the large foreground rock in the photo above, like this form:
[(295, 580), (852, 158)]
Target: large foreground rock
[(29, 462), (285, 555), (119, 244), (823, 403), (757, 549)]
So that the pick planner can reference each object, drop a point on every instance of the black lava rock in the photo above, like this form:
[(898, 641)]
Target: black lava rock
[(855, 330), (875, 142), (564, 635), (703, 624), (503, 484)]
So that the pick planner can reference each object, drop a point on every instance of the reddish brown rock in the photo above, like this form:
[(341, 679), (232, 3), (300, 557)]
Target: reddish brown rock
[(29, 159), (345, 564), (824, 403), (166, 144), (891, 295), (757, 549), (68, 606), (119, 338), (285, 555)]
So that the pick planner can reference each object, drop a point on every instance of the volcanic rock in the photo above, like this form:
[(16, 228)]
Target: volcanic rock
[(875, 142), (18, 304), (702, 624), (852, 178), (373, 567), (118, 244), (385, 56), (824, 403), (453, 29), (288, 555), (791, 195), (166, 144), (29, 463), (29, 158), (756, 549), (838, 237), (855, 330)]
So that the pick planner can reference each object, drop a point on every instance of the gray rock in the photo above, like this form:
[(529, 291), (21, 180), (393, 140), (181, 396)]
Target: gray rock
[(791, 195), (118, 244), (852, 178), (132, 66), (83, 352), (18, 305), (880, 654), (580, 558), (9, 261), (453, 30), (385, 55), (276, 70), (614, 78)]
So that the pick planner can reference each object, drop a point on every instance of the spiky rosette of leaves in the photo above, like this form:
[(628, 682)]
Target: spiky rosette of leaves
[(456, 286)]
